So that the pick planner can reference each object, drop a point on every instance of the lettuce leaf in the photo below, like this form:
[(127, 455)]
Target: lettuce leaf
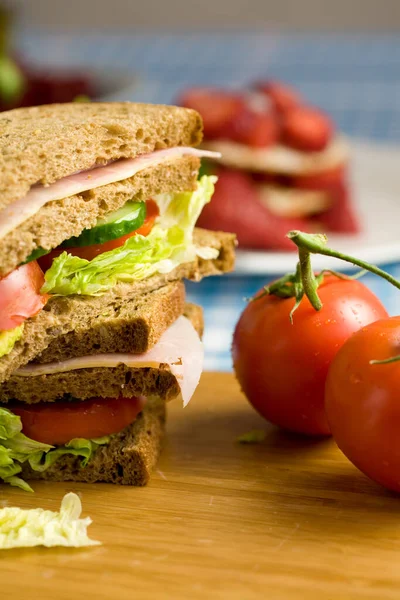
[(16, 449), (9, 338), (21, 528), (169, 244)]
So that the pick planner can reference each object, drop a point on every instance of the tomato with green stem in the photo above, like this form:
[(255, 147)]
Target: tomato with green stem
[(281, 358)]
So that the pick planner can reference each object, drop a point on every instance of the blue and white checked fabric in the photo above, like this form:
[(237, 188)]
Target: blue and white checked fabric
[(354, 77)]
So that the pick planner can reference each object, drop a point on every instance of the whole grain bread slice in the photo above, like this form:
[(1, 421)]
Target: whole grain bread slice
[(60, 220), (136, 326), (99, 382), (62, 315), (42, 144), (128, 459)]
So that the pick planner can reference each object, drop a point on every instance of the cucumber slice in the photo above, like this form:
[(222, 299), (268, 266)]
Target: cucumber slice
[(35, 254), (121, 222)]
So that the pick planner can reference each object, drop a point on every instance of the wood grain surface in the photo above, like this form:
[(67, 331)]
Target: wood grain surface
[(289, 518)]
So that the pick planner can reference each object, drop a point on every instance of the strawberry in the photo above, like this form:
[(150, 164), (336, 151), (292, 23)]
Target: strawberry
[(217, 108), (324, 180), (236, 207), (306, 129), (340, 217), (283, 97), (254, 128)]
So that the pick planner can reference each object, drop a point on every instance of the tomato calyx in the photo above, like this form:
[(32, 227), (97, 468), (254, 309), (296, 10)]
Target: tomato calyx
[(304, 282), (292, 285)]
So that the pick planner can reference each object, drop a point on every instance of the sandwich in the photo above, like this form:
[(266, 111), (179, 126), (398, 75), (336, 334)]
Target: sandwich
[(281, 156), (97, 231)]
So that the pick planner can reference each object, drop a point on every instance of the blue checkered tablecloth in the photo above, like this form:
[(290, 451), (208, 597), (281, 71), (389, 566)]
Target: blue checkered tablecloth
[(354, 77)]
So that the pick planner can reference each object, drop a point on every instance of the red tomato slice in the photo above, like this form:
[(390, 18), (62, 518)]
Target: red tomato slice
[(20, 296), (282, 96), (59, 422), (306, 129), (90, 252), (256, 129), (325, 180), (217, 107)]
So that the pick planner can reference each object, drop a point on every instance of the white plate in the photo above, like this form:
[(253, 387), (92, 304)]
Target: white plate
[(375, 181)]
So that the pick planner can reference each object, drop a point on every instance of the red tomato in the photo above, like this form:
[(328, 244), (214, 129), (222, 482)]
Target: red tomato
[(306, 129), (59, 422), (324, 180), (20, 296), (362, 401), (282, 96), (216, 107), (90, 252), (282, 367)]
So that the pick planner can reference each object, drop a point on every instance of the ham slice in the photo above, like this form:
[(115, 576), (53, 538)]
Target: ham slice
[(179, 347), (19, 211)]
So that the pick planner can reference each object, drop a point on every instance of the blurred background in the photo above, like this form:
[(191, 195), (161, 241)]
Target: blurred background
[(360, 15), (342, 56)]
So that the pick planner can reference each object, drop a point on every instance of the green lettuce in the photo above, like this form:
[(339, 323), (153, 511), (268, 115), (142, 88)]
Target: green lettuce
[(9, 338), (169, 244), (25, 528), (16, 449)]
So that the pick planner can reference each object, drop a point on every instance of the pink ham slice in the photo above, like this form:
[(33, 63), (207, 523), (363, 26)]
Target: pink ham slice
[(19, 211), (179, 347)]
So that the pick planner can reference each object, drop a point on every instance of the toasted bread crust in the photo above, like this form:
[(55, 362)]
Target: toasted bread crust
[(42, 144)]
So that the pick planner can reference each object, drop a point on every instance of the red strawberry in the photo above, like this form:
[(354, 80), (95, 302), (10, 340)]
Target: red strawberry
[(340, 217), (282, 96), (253, 128), (306, 129), (324, 180), (216, 107), (236, 207)]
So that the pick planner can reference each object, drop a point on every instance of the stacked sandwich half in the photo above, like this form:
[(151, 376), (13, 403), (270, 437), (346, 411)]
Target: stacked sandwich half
[(98, 208)]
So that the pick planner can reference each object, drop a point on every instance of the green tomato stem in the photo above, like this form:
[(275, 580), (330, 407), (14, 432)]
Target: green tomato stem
[(316, 244), (308, 280), (386, 361)]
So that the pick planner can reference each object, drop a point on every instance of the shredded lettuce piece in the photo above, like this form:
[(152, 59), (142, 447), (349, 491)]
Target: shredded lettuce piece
[(169, 244), (16, 449), (21, 528), (9, 338)]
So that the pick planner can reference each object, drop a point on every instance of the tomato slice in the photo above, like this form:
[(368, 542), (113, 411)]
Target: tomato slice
[(20, 296), (217, 108), (58, 423), (90, 252), (325, 180), (255, 129), (282, 96)]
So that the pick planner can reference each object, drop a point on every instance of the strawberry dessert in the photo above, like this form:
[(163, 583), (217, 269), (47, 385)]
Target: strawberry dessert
[(282, 162)]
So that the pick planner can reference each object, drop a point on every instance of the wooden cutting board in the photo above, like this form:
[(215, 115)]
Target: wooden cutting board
[(287, 518)]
